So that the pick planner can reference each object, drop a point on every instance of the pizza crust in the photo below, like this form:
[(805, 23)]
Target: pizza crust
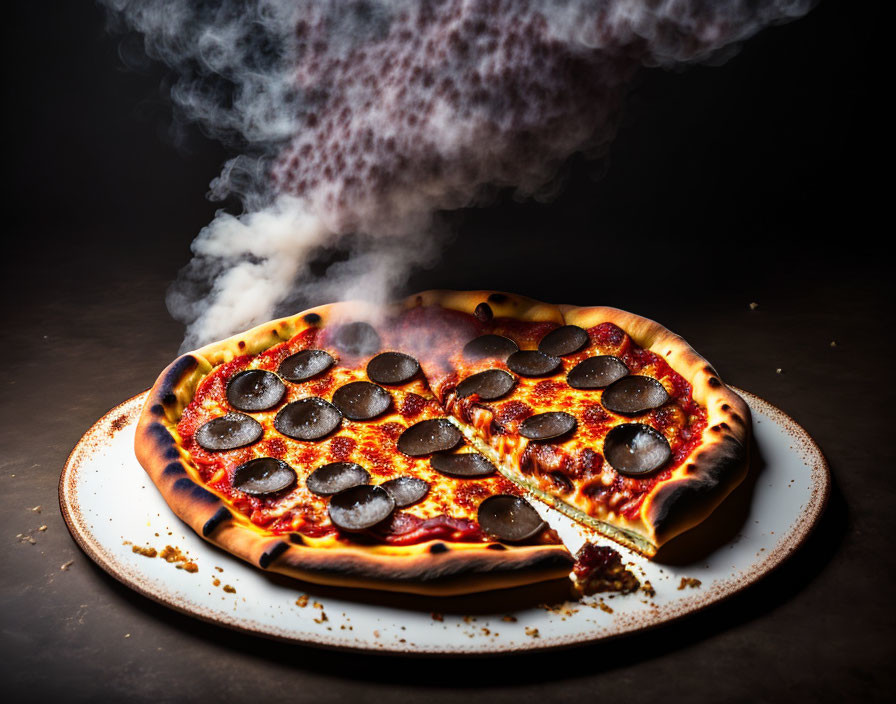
[(435, 567)]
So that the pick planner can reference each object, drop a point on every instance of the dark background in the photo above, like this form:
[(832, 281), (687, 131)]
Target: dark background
[(754, 181)]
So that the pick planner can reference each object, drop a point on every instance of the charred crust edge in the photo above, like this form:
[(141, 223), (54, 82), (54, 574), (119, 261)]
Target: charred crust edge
[(194, 491), (172, 377), (221, 516), (174, 469), (160, 435), (272, 553)]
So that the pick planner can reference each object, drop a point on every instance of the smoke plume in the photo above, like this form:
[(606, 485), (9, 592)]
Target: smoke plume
[(358, 120)]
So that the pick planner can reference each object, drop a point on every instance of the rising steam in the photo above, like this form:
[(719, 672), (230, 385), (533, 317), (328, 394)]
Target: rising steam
[(358, 120)]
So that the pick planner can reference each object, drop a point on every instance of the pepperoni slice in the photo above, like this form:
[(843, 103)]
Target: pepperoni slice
[(488, 385), (360, 507), (392, 368), (635, 448), (304, 365), (533, 363), (264, 476), (509, 518), (309, 418), (565, 340), (547, 426), (357, 339), (255, 390), (467, 464), (429, 436), (634, 394), (489, 346), (596, 372), (228, 432), (362, 400), (406, 490), (332, 478)]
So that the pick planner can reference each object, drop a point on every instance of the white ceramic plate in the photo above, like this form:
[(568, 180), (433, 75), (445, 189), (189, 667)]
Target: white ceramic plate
[(111, 506)]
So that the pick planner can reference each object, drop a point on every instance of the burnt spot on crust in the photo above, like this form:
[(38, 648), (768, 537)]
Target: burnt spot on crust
[(311, 318), (157, 409), (160, 435), (169, 399), (726, 407), (174, 469), (296, 539), (172, 453), (438, 548), (498, 298), (242, 344), (272, 553), (194, 491), (719, 427), (496, 546), (222, 515), (179, 368), (714, 382)]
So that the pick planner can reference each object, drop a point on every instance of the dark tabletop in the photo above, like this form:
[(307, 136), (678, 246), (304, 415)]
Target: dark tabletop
[(746, 183)]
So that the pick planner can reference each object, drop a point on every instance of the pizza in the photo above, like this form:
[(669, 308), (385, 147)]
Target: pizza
[(402, 447)]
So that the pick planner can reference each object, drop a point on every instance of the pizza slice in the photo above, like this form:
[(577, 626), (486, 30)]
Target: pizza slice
[(605, 415), (312, 446)]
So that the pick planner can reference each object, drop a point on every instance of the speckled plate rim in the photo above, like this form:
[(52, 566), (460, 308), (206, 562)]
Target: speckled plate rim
[(811, 455)]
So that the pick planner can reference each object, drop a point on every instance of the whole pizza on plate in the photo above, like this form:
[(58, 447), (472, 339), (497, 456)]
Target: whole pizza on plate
[(394, 447)]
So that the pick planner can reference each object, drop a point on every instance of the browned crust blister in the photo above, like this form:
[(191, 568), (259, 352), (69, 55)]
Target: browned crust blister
[(436, 567)]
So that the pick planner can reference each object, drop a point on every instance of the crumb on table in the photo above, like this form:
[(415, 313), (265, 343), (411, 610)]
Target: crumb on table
[(145, 551), (689, 582)]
